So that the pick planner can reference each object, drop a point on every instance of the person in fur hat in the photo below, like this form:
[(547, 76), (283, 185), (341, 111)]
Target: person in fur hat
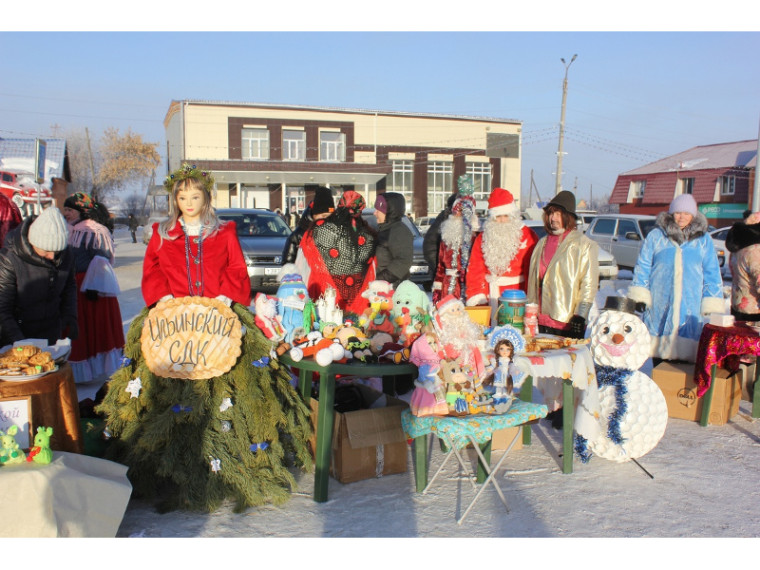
[(457, 234), (677, 277), (743, 241), (500, 256)]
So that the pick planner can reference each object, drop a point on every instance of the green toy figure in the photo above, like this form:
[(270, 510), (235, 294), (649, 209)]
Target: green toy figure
[(10, 452), (41, 452)]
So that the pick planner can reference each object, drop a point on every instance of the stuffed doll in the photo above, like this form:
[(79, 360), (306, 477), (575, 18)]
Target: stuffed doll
[(266, 317), (292, 297), (409, 311), (429, 396)]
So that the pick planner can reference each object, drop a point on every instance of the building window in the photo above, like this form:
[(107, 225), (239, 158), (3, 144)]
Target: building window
[(293, 145), (727, 185), (332, 146), (440, 183), (481, 176), (637, 188), (687, 185), (255, 143), (401, 180)]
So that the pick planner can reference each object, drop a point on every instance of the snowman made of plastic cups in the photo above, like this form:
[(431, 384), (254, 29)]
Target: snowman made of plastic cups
[(630, 413)]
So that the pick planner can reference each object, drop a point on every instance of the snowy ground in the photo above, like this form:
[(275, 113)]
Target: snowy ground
[(704, 485)]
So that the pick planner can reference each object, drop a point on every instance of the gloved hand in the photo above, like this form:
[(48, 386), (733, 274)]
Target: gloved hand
[(640, 307), (91, 294), (224, 299), (577, 327), (70, 329)]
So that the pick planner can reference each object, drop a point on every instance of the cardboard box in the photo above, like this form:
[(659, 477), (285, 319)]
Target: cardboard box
[(367, 443), (676, 380), (503, 437)]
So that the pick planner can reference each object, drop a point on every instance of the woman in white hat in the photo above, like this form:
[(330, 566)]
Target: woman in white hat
[(38, 297), (677, 277)]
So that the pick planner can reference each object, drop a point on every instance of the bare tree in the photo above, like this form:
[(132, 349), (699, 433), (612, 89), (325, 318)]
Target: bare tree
[(133, 204), (105, 166)]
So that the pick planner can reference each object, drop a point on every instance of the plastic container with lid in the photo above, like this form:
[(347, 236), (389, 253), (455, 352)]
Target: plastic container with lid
[(512, 308)]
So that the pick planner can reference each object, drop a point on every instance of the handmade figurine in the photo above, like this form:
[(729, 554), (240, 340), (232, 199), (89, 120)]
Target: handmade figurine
[(409, 311), (292, 298), (10, 452), (504, 341), (377, 318), (429, 396), (41, 452), (266, 317), (626, 416)]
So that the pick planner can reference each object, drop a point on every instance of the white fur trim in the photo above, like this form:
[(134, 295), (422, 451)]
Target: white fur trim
[(640, 295), (479, 299), (713, 305), (506, 209), (437, 285)]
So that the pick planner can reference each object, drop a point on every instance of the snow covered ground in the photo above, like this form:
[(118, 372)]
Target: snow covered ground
[(704, 484)]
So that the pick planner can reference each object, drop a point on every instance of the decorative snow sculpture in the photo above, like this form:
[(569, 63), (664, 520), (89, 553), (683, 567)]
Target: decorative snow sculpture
[(632, 412)]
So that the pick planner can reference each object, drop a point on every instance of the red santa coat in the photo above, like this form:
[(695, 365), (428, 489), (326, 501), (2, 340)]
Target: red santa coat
[(484, 288), (224, 271)]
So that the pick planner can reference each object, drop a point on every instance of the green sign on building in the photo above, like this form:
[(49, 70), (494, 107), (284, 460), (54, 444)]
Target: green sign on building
[(723, 211)]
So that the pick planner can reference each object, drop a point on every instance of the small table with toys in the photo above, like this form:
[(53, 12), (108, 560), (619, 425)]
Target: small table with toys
[(558, 365)]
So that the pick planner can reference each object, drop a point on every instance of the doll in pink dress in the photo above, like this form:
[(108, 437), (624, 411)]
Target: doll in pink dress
[(429, 396)]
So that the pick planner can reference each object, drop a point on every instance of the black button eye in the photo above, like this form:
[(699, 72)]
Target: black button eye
[(627, 328), (606, 330)]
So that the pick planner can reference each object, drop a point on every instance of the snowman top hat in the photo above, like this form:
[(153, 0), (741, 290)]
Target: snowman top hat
[(623, 304)]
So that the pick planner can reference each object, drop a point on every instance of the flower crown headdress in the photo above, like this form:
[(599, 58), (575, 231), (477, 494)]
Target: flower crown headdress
[(187, 171)]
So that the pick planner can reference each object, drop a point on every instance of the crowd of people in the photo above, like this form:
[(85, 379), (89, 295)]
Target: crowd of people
[(676, 281)]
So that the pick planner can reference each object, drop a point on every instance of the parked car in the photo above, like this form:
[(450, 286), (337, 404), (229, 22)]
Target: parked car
[(423, 224), (420, 272), (724, 256), (622, 235), (608, 268), (262, 235)]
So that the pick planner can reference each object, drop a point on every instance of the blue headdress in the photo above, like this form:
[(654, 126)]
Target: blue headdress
[(507, 332)]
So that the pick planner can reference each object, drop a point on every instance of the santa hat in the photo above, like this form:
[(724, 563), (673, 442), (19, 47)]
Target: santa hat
[(447, 303), (501, 203)]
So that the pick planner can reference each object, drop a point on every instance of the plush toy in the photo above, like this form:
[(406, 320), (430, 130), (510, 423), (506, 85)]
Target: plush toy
[(378, 316), (10, 452), (266, 317), (409, 311), (457, 386), (429, 396), (377, 341), (626, 416), (292, 297), (41, 452)]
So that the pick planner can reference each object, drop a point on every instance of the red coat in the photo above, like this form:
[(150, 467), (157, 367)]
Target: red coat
[(484, 288), (224, 270)]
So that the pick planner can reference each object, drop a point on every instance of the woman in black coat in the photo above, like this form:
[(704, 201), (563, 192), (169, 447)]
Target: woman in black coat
[(37, 288), (395, 242)]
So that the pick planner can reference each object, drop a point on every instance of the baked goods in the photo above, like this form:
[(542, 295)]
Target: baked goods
[(25, 360), (539, 343)]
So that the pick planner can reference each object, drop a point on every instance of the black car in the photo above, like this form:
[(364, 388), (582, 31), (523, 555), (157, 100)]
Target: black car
[(262, 235), (420, 272)]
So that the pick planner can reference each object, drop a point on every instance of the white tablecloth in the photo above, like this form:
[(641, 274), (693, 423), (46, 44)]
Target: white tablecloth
[(73, 496)]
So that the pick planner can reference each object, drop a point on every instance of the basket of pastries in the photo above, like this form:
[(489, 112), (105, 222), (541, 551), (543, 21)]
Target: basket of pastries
[(550, 342), (26, 360)]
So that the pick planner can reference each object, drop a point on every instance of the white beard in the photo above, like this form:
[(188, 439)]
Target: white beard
[(452, 232), (459, 331), (501, 242)]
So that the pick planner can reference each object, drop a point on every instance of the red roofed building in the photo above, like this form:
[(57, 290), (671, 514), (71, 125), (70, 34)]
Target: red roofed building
[(719, 176)]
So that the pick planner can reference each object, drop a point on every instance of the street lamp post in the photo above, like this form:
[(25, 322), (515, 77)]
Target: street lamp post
[(558, 183)]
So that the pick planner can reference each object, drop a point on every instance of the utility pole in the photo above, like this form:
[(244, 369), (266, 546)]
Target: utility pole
[(558, 183), (756, 187)]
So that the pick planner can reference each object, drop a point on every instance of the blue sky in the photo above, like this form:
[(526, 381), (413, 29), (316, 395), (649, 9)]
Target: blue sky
[(633, 97)]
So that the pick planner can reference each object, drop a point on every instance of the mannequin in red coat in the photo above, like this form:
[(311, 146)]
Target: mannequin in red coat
[(500, 257), (193, 252)]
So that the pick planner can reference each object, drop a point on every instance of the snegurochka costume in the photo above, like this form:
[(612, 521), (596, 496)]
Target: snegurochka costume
[(192, 444)]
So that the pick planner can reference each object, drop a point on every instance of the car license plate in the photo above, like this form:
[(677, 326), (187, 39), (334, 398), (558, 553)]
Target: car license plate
[(271, 270), (418, 269)]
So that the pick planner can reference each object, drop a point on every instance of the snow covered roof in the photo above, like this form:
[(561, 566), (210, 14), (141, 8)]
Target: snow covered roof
[(741, 154), (17, 155)]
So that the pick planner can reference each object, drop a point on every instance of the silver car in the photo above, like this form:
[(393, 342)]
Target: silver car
[(622, 235)]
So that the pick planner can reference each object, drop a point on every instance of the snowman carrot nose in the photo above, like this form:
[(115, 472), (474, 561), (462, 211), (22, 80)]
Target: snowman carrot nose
[(617, 338)]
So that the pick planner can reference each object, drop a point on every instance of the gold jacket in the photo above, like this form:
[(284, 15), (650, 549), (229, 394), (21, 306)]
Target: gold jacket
[(571, 280)]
